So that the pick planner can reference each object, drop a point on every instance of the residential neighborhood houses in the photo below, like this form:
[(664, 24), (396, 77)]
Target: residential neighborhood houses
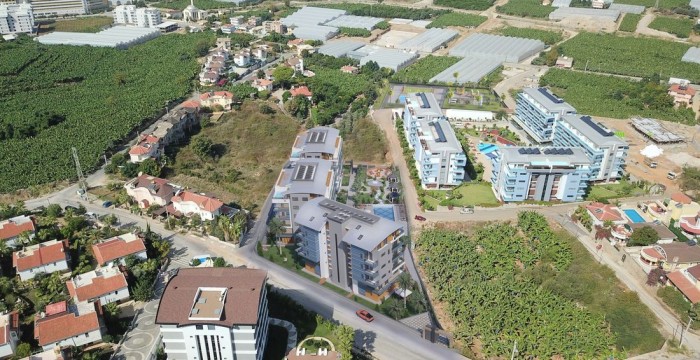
[(113, 251), (170, 129), (47, 257), (68, 325), (103, 286), (12, 230)]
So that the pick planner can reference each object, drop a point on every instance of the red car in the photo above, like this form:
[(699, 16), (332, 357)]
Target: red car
[(420, 218), (365, 315)]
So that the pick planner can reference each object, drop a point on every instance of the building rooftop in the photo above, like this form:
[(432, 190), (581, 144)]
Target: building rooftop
[(680, 252), (429, 41), (116, 37), (682, 198), (594, 131), (692, 55), (394, 59), (661, 229), (655, 131), (243, 287), (8, 322), (437, 135), (504, 48), (309, 15), (423, 104), (679, 279), (356, 22), (306, 176), (604, 212), (12, 227), (204, 202), (547, 156), (40, 254), (548, 100), (93, 284), (51, 329), (155, 186), (208, 304), (321, 139), (117, 247), (340, 48), (469, 70)]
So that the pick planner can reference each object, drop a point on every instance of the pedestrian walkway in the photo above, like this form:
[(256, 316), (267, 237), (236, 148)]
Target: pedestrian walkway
[(291, 332)]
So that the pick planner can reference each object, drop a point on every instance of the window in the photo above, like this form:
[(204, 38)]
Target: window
[(210, 327), (295, 199), (295, 207), (304, 199), (199, 327)]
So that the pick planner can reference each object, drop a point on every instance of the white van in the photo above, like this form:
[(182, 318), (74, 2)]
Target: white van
[(671, 175)]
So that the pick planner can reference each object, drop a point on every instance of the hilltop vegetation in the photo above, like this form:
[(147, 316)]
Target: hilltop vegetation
[(90, 98)]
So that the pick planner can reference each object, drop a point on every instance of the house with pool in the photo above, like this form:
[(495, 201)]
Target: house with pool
[(601, 213), (622, 232)]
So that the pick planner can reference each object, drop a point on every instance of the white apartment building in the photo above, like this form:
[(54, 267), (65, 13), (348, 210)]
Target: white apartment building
[(16, 19), (214, 313), (46, 8), (47, 257), (141, 17), (104, 284)]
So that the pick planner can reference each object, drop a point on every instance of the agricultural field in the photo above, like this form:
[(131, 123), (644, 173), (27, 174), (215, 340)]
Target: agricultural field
[(629, 22), (666, 4), (424, 69), (526, 8), (457, 19), (465, 4), (547, 36), (91, 24), (526, 282), (630, 56), (608, 96), (93, 108), (384, 11), (354, 32), (681, 27), (200, 4)]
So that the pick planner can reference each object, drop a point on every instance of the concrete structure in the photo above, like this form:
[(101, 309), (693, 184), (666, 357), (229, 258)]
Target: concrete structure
[(47, 257), (9, 334), (104, 284), (653, 130), (120, 37), (606, 151), (46, 8), (114, 250), (167, 26), (540, 174), (214, 98), (354, 249), (15, 19), (141, 17), (274, 26), (536, 111), (192, 14), (626, 8), (438, 154), (147, 190), (682, 95), (571, 12), (11, 229), (75, 326), (189, 203), (214, 313)]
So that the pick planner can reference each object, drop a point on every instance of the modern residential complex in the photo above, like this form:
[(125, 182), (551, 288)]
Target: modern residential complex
[(320, 143), (438, 154), (604, 149), (45, 8), (141, 17), (540, 174), (536, 110), (214, 313), (354, 249), (16, 19)]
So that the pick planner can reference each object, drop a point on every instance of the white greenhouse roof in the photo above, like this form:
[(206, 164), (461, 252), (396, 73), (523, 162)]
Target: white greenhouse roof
[(309, 15), (626, 8), (695, 4), (429, 41), (469, 70), (340, 48), (117, 37), (352, 21), (692, 55), (315, 32), (504, 48), (566, 12), (389, 58)]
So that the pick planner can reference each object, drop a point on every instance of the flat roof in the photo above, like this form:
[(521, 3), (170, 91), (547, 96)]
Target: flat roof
[(429, 41), (548, 100), (692, 55), (594, 131), (626, 8), (469, 70), (314, 32), (357, 22), (306, 176), (309, 15), (439, 136), (655, 131), (423, 104), (340, 48), (505, 48), (544, 155), (321, 139), (116, 37), (565, 12), (208, 304), (394, 59)]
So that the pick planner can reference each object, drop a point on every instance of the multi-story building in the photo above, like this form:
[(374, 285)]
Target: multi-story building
[(540, 174), (141, 17), (354, 249), (47, 257), (104, 284), (97, 6), (12, 229), (76, 325), (536, 110), (321, 142), (46, 8), (604, 149), (149, 147), (274, 26), (115, 249), (17, 18), (214, 313), (9, 334), (213, 98), (439, 157)]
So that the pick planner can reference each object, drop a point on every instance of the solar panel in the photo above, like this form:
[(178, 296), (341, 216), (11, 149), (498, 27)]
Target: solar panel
[(535, 151), (521, 151), (595, 126), (305, 172), (547, 151), (316, 137), (569, 152), (424, 99), (550, 96), (440, 133)]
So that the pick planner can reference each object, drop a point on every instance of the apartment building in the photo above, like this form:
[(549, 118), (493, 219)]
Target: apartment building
[(214, 313), (604, 149), (114, 250), (214, 98), (141, 17), (300, 181), (104, 284), (16, 18), (46, 8), (321, 142), (47, 257), (9, 334), (536, 110), (148, 147), (354, 249), (439, 157), (74, 325), (540, 174), (274, 26)]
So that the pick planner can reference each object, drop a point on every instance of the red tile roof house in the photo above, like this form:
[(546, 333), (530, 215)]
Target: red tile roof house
[(690, 224), (190, 203), (301, 91), (11, 229), (601, 213), (223, 98), (47, 257), (349, 69), (686, 281), (682, 94), (115, 249), (262, 84), (148, 190), (149, 147), (104, 284), (9, 334), (673, 256), (73, 327)]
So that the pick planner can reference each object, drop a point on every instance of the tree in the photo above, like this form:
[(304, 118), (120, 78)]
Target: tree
[(23, 350), (150, 167), (602, 233), (393, 308), (129, 170), (112, 310), (656, 276), (202, 147), (346, 339), (274, 228), (220, 262), (690, 178), (283, 76), (260, 74), (143, 291), (196, 221), (54, 211), (286, 95), (644, 236), (405, 282), (298, 106)]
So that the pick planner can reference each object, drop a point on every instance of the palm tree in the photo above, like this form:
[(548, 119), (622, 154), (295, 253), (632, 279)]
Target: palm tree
[(393, 307), (274, 227), (405, 282), (224, 224), (238, 225)]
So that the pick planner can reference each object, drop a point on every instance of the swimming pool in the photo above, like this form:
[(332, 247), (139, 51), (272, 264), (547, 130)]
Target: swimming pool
[(486, 148), (634, 216), (386, 212)]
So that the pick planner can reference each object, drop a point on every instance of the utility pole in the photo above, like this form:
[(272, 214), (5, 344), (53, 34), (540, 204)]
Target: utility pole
[(683, 331), (515, 350), (82, 184)]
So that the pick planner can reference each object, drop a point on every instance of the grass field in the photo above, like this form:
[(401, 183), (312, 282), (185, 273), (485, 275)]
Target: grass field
[(665, 4), (91, 24), (613, 191), (494, 103), (465, 4), (251, 149), (366, 143), (457, 19), (526, 8), (424, 69), (473, 194), (629, 22), (681, 27), (548, 37)]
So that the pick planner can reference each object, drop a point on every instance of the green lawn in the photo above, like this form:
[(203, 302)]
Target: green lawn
[(629, 22), (473, 194), (681, 27), (614, 191)]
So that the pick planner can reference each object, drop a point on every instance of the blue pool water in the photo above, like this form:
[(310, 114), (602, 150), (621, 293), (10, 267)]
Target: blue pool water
[(386, 212), (486, 148), (634, 215)]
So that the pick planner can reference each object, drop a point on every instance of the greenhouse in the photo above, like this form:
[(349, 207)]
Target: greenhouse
[(503, 48), (429, 41)]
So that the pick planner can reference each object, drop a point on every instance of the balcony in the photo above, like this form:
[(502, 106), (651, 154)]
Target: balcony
[(370, 262)]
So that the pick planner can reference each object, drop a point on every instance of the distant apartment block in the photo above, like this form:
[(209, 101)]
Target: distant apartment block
[(12, 229), (9, 334), (604, 149), (537, 109), (354, 249), (114, 250), (46, 8), (148, 147), (274, 26), (47, 257), (74, 325), (141, 17), (15, 19), (439, 157), (540, 174), (104, 284), (214, 313)]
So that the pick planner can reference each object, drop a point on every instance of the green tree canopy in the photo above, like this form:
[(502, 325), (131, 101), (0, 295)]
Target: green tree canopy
[(643, 236)]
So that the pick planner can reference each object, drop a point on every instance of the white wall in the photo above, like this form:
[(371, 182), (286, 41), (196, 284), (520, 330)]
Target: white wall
[(189, 207), (49, 268), (8, 349), (120, 294), (78, 340)]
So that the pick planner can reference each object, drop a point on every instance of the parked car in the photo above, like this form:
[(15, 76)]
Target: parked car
[(364, 315), (107, 204), (420, 218)]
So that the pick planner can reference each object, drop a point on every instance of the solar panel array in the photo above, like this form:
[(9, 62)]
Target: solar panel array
[(529, 151), (305, 173), (439, 132), (555, 151), (425, 104), (550, 96), (596, 126), (316, 137)]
